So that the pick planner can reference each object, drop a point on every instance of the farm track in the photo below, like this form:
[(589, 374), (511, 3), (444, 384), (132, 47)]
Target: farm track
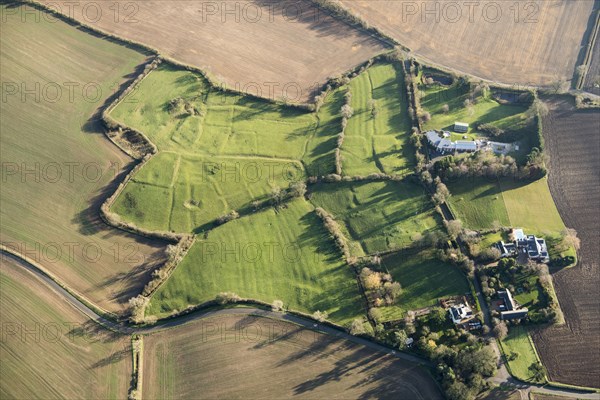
[(571, 352)]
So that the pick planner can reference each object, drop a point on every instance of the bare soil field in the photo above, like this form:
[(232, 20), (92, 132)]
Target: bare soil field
[(570, 352), (257, 358), (541, 396), (592, 79), (262, 47), (58, 166), (49, 350), (533, 42)]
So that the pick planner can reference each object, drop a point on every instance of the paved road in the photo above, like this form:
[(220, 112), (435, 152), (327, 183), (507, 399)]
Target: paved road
[(501, 378)]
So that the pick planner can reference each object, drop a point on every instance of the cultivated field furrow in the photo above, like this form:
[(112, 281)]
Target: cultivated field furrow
[(273, 49), (526, 43), (57, 165), (258, 358), (570, 352)]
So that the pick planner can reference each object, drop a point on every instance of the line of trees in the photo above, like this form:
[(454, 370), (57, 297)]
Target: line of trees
[(346, 111), (335, 231), (486, 164)]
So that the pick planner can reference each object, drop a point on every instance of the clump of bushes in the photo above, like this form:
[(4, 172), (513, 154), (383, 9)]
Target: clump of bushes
[(380, 287), (227, 298), (223, 219), (490, 129)]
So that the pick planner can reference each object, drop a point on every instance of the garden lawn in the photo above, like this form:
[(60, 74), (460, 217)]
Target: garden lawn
[(286, 255), (424, 280), (531, 206), (377, 216), (378, 142), (481, 204), (509, 117), (518, 341)]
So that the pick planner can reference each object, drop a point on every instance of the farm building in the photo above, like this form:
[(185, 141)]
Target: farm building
[(466, 145), (511, 308), (461, 127), (535, 248), (444, 145)]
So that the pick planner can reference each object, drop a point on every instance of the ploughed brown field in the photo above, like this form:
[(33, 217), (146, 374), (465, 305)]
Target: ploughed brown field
[(57, 164), (50, 350), (592, 79), (534, 42), (262, 47), (570, 352), (250, 357)]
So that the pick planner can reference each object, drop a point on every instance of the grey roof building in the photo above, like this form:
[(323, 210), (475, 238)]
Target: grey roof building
[(535, 247), (512, 308)]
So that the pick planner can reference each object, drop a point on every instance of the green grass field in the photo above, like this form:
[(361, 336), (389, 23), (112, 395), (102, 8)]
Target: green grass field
[(229, 152), (482, 203), (51, 212), (51, 351), (478, 203), (285, 255), (518, 342), (424, 280), (378, 143), (183, 192), (531, 206), (223, 124), (378, 216)]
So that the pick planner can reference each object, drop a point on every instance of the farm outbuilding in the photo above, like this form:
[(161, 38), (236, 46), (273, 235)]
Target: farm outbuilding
[(461, 127), (466, 145)]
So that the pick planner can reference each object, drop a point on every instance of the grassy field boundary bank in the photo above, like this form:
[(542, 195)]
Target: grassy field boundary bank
[(125, 143), (588, 53), (240, 303), (37, 266), (162, 273), (341, 13)]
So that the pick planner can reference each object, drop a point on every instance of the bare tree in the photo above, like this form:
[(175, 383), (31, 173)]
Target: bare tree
[(320, 316), (277, 306), (347, 111), (500, 330)]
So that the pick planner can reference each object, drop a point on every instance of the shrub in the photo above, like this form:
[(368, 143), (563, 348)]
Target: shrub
[(227, 297), (347, 111), (320, 316), (138, 306), (277, 306), (357, 327), (375, 314), (500, 330), (492, 130)]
